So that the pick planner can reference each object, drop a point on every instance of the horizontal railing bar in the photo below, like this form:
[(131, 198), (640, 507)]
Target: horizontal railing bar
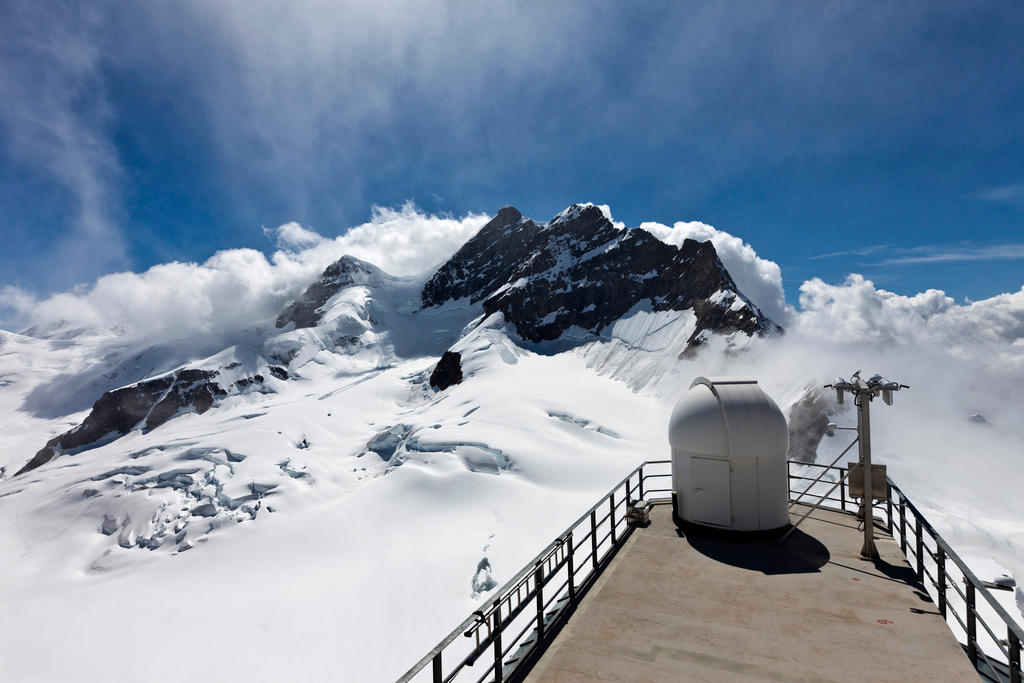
[(795, 476), (814, 464)]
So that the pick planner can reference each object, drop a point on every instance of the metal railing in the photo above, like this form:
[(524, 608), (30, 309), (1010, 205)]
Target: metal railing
[(499, 641), (995, 651), (512, 628)]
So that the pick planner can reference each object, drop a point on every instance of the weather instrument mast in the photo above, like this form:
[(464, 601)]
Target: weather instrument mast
[(863, 393)]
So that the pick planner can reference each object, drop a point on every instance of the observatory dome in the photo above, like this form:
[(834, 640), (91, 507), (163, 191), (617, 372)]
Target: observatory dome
[(729, 442)]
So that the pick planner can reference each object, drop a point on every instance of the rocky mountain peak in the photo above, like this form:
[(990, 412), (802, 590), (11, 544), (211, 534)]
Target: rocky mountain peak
[(581, 271), (344, 272), (486, 261)]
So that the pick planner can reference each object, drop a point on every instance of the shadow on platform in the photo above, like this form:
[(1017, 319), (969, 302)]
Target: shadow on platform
[(798, 554)]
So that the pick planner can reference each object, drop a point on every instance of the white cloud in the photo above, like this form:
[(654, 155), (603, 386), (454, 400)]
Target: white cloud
[(292, 236), (759, 279), (403, 241), (857, 312), (240, 288)]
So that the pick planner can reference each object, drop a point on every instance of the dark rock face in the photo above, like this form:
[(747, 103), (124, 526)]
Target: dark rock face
[(305, 311), (581, 270), (808, 419), (448, 371), (150, 404), (485, 262)]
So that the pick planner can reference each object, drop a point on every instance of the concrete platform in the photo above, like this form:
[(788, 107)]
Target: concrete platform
[(698, 608)]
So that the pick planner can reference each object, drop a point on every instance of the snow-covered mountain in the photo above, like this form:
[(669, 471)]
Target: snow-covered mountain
[(379, 446), (552, 286)]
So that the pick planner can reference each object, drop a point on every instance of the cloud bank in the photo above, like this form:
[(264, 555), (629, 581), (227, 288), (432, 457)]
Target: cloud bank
[(857, 312), (239, 288)]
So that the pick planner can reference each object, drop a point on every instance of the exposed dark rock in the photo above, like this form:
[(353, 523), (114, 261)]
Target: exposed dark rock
[(581, 270), (808, 419), (486, 261), (278, 372), (305, 311), (148, 404), (246, 382), (448, 371)]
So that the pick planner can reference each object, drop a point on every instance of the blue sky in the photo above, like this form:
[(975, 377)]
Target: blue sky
[(834, 137)]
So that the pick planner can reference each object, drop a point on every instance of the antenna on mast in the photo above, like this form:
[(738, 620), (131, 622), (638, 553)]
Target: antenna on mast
[(863, 393)]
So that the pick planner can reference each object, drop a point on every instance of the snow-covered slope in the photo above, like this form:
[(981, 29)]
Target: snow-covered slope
[(299, 500)]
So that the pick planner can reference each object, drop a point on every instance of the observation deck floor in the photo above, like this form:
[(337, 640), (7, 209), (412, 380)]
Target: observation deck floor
[(699, 608)]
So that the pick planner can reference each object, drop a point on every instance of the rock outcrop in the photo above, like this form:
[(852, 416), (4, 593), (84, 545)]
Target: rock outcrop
[(447, 372), (306, 310), (145, 405), (581, 271)]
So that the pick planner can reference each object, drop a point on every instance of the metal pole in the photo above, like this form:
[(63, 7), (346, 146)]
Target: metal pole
[(888, 508), (1014, 647), (972, 626), (640, 491), (538, 579), (498, 655), (940, 563), (572, 570), (919, 550), (438, 675), (903, 526), (593, 537), (611, 516), (863, 399), (842, 490)]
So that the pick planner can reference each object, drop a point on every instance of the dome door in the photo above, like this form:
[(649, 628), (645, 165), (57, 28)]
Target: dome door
[(710, 491)]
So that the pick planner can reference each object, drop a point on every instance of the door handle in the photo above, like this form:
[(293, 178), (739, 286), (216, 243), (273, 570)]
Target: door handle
[(697, 488)]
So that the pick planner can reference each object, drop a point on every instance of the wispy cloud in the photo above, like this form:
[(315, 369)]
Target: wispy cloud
[(954, 254), (1005, 194), (54, 117), (861, 251), (929, 253)]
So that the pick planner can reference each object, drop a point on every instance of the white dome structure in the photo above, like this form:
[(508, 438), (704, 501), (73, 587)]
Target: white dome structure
[(729, 442)]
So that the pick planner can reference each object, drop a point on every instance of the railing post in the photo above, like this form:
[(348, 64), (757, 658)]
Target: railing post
[(940, 563), (438, 676), (640, 491), (611, 516), (903, 526), (538, 579), (570, 561), (888, 508), (972, 626), (920, 549), (498, 656), (593, 537), (1014, 643), (842, 488)]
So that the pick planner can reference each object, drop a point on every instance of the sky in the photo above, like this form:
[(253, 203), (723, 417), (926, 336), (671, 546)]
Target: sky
[(885, 140)]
